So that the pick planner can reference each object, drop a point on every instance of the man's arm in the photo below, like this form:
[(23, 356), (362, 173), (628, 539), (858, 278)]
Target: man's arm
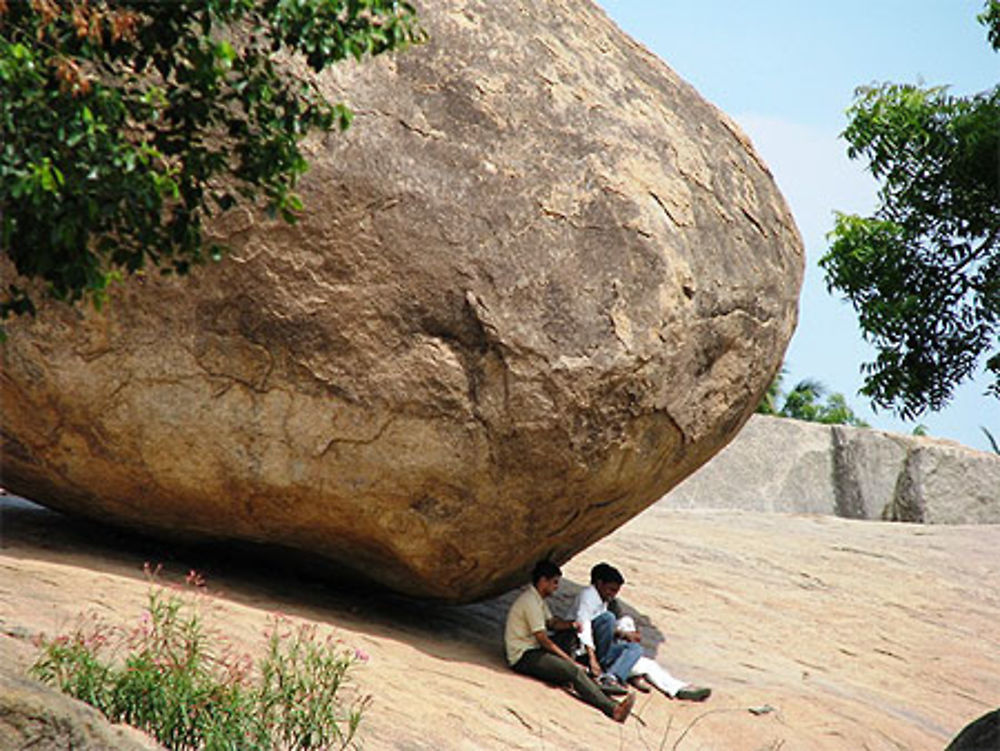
[(595, 666), (588, 606), (561, 624), (547, 644)]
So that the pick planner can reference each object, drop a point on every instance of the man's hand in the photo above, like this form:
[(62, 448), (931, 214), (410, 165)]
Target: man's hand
[(595, 666), (560, 624), (632, 636), (595, 669)]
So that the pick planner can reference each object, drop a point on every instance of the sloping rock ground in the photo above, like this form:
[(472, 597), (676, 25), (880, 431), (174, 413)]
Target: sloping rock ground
[(860, 635)]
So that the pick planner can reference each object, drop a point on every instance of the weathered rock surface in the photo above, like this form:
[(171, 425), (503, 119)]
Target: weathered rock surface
[(539, 283), (776, 464), (33, 716)]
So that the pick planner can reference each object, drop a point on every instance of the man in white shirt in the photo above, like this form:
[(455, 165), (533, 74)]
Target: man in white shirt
[(531, 651), (612, 644), (610, 660)]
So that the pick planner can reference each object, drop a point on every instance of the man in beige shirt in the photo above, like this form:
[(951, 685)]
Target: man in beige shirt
[(531, 651)]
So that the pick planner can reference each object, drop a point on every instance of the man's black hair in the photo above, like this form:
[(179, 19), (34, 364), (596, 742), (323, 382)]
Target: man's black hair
[(605, 572), (599, 572), (544, 570)]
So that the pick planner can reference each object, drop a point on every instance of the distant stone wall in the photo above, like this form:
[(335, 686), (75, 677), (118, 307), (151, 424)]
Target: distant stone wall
[(778, 464)]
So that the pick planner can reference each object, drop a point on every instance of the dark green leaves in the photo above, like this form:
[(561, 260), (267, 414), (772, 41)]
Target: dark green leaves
[(923, 272), (124, 124), (990, 18)]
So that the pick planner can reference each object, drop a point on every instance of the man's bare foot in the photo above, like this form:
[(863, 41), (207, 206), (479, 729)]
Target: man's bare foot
[(621, 712)]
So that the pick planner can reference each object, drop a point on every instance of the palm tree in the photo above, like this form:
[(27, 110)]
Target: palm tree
[(804, 402), (991, 439)]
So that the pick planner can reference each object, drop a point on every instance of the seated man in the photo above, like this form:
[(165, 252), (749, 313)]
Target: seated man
[(532, 652), (603, 634), (610, 660)]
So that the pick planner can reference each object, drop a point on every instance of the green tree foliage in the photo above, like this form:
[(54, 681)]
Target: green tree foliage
[(923, 272), (805, 402), (125, 124)]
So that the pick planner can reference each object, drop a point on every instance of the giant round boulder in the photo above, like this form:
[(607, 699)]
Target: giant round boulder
[(538, 283)]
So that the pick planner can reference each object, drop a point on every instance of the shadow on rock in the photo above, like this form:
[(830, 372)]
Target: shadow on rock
[(981, 735), (265, 576)]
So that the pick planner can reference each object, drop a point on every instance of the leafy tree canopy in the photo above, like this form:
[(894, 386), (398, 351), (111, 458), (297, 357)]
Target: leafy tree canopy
[(124, 124), (923, 272)]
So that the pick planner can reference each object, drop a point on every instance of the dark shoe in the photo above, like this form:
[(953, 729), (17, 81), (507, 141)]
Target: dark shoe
[(639, 683), (693, 693), (611, 686), (621, 712)]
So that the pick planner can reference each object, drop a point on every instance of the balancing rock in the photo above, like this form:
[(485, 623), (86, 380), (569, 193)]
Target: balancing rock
[(538, 283)]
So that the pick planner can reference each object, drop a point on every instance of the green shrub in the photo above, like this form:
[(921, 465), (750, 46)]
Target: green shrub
[(167, 677)]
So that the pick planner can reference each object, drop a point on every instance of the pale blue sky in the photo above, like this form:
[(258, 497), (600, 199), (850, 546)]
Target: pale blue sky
[(786, 70)]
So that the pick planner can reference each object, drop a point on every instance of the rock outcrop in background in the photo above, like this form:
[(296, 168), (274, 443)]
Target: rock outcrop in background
[(777, 464), (539, 282)]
